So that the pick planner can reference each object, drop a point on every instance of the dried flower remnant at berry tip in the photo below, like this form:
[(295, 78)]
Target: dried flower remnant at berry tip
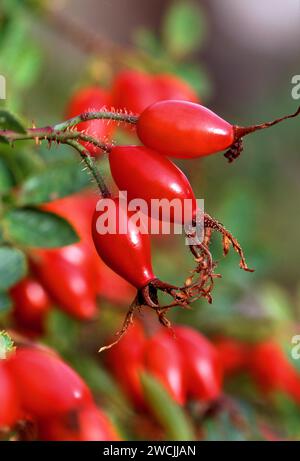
[(199, 284), (239, 132)]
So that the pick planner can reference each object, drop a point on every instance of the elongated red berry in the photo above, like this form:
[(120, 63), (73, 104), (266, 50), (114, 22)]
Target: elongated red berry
[(272, 371), (183, 129), (145, 174), (234, 354), (186, 130), (134, 91), (47, 386), (69, 279), (31, 304), (9, 399), (202, 365), (126, 252), (163, 360), (126, 361), (78, 209)]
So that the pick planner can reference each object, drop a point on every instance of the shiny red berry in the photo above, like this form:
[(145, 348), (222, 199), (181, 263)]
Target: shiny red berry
[(134, 91), (46, 385), (70, 283), (272, 371), (145, 174), (31, 304), (163, 360), (126, 252), (9, 398), (202, 365), (183, 129), (126, 361)]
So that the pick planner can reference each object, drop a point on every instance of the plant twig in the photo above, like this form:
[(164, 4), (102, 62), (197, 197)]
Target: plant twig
[(90, 163)]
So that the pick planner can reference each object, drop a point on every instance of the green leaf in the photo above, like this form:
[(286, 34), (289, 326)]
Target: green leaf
[(6, 179), (35, 228), (197, 76), (5, 302), (99, 380), (59, 180), (9, 122), (29, 64), (168, 413), (184, 28), (4, 140), (148, 41), (62, 331), (13, 267)]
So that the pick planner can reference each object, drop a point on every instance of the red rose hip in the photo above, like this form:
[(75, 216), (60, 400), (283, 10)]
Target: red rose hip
[(151, 176), (46, 385)]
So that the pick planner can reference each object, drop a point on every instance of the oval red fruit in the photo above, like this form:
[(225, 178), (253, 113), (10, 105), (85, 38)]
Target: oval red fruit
[(272, 370), (183, 129), (126, 361), (234, 354), (47, 386), (31, 304), (71, 286), (9, 399), (134, 91), (163, 360), (202, 365), (151, 176), (127, 252)]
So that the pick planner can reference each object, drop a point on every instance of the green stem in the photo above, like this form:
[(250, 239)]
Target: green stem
[(103, 115), (90, 163)]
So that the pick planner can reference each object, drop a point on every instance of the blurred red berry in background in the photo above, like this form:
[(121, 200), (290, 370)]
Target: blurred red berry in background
[(91, 99), (134, 91)]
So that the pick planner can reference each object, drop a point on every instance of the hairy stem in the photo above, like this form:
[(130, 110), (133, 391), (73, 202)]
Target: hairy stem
[(103, 115), (90, 163)]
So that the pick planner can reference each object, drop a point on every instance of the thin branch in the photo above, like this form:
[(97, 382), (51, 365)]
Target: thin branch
[(103, 114), (91, 42), (61, 131), (90, 163)]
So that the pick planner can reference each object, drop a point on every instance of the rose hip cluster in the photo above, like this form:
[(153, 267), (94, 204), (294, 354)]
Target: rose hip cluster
[(265, 362), (184, 361), (70, 277), (170, 122), (42, 398)]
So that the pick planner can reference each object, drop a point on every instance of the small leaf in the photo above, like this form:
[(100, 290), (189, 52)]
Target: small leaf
[(62, 331), (59, 180), (5, 302), (99, 380), (9, 122), (184, 28), (4, 140), (198, 77), (147, 41), (13, 266), (35, 228), (168, 413), (6, 179)]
